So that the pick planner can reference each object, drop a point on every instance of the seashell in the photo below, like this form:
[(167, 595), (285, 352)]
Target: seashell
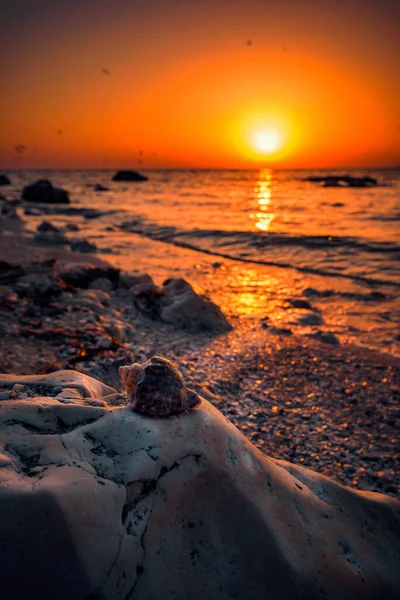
[(156, 388)]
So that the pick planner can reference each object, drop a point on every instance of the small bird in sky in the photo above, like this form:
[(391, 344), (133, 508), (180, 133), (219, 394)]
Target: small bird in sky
[(105, 71), (249, 42), (59, 131), (19, 148)]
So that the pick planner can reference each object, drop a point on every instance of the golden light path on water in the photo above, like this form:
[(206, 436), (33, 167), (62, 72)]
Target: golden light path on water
[(263, 217), (254, 295)]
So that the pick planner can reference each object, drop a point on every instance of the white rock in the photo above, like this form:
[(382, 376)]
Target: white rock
[(105, 503)]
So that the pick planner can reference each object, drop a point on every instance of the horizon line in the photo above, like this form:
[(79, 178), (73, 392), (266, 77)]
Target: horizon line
[(349, 168)]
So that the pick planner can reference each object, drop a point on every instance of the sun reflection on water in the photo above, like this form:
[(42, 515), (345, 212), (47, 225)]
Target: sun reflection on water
[(263, 217)]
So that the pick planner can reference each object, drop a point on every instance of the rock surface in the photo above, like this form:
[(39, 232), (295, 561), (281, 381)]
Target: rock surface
[(4, 180), (83, 246), (129, 176), (43, 191), (100, 502), (181, 305), (343, 181)]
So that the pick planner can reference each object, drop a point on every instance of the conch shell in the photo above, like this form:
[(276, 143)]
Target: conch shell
[(155, 388)]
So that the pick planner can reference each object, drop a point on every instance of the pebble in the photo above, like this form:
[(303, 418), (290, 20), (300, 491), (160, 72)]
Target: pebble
[(104, 342), (102, 283)]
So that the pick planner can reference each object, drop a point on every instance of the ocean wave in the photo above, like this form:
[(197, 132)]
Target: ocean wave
[(271, 249)]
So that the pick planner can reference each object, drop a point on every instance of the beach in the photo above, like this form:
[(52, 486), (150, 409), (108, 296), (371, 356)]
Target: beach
[(297, 394)]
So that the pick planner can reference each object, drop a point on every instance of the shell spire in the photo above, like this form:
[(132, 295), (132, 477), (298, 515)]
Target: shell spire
[(156, 388)]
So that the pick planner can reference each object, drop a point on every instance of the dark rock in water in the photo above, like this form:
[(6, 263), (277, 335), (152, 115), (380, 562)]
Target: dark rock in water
[(100, 188), (359, 181), (313, 293), (83, 246), (72, 227), (279, 331), (82, 275), (46, 226), (327, 337), (129, 176), (34, 212), (4, 180), (43, 191), (51, 237), (92, 213), (9, 211), (332, 182), (343, 181), (298, 303), (309, 318), (375, 296)]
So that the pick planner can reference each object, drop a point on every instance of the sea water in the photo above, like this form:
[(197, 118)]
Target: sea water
[(277, 235)]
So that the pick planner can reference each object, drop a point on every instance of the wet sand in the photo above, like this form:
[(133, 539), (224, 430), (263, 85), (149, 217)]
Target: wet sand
[(332, 408)]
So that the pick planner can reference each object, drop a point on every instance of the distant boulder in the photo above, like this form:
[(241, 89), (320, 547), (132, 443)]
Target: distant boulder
[(43, 191), (360, 181), (332, 182), (98, 187), (343, 181), (4, 180), (129, 176)]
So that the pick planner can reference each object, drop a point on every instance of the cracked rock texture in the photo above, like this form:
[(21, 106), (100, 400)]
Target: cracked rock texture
[(98, 502)]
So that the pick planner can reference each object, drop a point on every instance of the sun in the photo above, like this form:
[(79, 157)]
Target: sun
[(267, 141)]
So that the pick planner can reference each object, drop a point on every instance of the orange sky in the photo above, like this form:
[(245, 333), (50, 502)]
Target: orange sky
[(186, 88)]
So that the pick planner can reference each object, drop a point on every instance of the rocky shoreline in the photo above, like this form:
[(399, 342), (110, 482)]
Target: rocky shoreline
[(334, 409)]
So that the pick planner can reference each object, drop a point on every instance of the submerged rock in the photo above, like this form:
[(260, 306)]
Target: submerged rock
[(279, 330), (308, 318), (43, 191), (327, 337), (46, 227), (297, 303), (83, 246), (51, 237), (9, 211), (47, 233), (34, 212), (129, 176), (98, 501)]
